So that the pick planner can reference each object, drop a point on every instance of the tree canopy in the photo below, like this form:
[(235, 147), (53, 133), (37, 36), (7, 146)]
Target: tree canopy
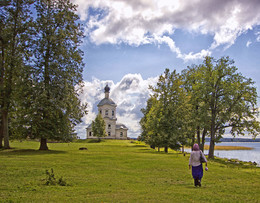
[(230, 98), (15, 23), (165, 119), (206, 99), (99, 127), (48, 76)]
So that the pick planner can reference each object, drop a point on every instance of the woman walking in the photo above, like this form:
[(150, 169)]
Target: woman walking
[(195, 162)]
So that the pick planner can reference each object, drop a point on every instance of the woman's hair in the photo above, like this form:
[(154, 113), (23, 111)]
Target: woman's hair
[(196, 147)]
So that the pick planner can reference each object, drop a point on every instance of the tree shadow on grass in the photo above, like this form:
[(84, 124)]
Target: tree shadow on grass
[(22, 152), (138, 146)]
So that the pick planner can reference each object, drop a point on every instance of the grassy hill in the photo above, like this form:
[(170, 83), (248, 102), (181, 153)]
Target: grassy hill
[(118, 171)]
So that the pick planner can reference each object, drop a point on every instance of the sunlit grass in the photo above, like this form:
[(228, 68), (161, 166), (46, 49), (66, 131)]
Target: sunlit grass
[(118, 171)]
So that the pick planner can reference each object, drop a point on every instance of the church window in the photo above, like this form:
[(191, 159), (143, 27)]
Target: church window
[(121, 134), (109, 134), (109, 126), (89, 133), (106, 112), (100, 111), (113, 113)]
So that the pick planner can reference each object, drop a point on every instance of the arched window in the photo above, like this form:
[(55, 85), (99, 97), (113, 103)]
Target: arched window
[(113, 113), (89, 133), (109, 126), (121, 134), (109, 134), (106, 113)]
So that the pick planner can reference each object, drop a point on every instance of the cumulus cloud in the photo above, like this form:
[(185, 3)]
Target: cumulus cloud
[(130, 95), (138, 22)]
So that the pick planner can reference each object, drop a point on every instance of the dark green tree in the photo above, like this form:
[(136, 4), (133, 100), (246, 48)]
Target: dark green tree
[(56, 78), (15, 23), (145, 111), (168, 117), (99, 127), (193, 83), (150, 124), (231, 100)]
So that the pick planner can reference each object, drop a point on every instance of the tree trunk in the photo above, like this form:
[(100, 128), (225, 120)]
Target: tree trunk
[(192, 140), (5, 129), (1, 137), (1, 86), (166, 149), (1, 134), (198, 135), (212, 141), (43, 144), (152, 146), (211, 149), (212, 131), (203, 139), (158, 149)]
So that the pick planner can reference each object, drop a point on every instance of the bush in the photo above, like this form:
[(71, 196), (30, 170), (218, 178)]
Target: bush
[(51, 180)]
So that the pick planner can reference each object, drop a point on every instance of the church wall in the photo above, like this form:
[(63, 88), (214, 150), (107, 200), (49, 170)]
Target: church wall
[(112, 128), (121, 133), (107, 111)]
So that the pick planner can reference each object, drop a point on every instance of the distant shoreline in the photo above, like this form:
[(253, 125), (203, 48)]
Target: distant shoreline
[(206, 147), (236, 140)]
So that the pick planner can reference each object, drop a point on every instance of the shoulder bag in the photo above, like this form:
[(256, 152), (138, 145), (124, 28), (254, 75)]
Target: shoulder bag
[(202, 160)]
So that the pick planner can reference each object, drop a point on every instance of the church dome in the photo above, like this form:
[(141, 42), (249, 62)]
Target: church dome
[(107, 89), (106, 101)]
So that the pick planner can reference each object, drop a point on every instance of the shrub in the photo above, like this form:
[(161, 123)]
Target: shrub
[(51, 180)]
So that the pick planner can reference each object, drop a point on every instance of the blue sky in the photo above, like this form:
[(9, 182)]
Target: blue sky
[(128, 44)]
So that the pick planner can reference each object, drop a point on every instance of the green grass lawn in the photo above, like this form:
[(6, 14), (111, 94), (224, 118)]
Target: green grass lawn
[(118, 171)]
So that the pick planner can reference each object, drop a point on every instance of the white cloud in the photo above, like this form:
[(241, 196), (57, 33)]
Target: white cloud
[(130, 95), (137, 22), (257, 36), (248, 43)]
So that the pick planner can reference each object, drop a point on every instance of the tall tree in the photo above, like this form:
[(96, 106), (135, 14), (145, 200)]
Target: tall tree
[(14, 39), (147, 134), (150, 123), (232, 100), (168, 118), (99, 127), (193, 83), (57, 75)]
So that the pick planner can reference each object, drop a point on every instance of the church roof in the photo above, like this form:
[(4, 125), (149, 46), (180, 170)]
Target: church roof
[(120, 126), (107, 101)]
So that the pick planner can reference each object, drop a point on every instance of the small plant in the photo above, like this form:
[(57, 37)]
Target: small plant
[(51, 180), (62, 182)]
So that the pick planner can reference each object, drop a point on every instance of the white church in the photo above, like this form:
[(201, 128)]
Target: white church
[(107, 108)]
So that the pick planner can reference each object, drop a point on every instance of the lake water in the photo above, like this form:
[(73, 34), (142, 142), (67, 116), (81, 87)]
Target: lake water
[(243, 155)]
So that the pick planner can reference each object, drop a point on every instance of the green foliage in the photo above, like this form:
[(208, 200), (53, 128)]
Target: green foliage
[(99, 127), (15, 33), (47, 69), (51, 180), (166, 117), (205, 100), (222, 99), (58, 71)]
